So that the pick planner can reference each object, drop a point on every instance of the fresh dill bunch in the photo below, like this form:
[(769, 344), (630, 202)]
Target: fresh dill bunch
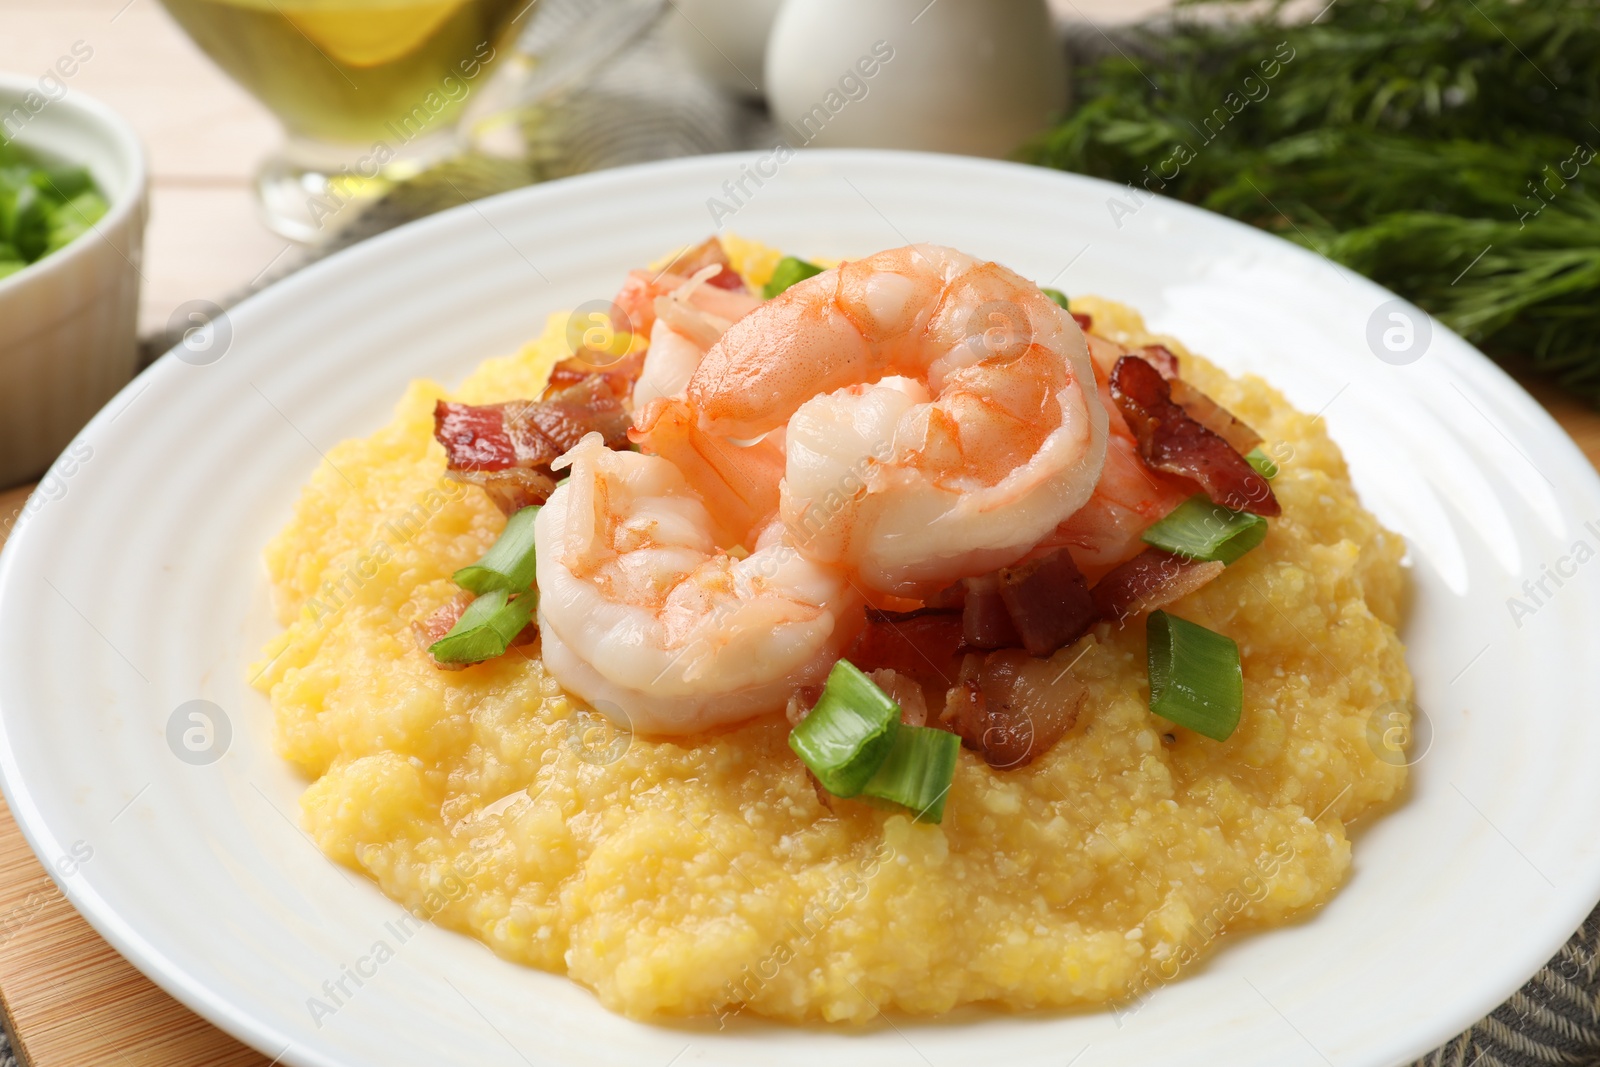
[(1445, 148)]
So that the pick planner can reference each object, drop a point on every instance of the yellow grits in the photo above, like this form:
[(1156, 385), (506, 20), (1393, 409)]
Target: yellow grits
[(703, 876)]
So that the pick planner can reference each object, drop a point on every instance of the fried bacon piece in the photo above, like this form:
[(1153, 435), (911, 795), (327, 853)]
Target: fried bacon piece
[(950, 598), (703, 255), (905, 691), (923, 645), (1162, 359), (985, 622), (1041, 605), (1048, 602), (1214, 417), (507, 448), (1171, 440), (1150, 580), (1010, 707), (620, 374), (1207, 412)]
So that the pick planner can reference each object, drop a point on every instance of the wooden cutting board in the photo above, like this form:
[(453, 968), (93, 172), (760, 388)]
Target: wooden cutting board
[(71, 1001)]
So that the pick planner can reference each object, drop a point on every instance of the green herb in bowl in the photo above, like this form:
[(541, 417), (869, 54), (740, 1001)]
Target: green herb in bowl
[(43, 206)]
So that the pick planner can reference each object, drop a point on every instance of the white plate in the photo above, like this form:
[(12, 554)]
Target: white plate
[(136, 587)]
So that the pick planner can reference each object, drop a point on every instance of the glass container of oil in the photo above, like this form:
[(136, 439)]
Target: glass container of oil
[(369, 91)]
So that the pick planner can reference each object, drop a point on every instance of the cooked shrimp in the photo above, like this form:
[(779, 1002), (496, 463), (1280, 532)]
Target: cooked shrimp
[(689, 319), (738, 483), (1128, 498), (940, 410), (638, 297), (644, 616)]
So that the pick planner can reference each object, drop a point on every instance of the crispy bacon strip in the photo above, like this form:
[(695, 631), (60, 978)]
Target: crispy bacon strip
[(1048, 602), (1150, 580), (985, 622), (620, 374), (1171, 440), (1214, 417), (1010, 707), (507, 448), (923, 645), (1162, 359), (703, 255), (1207, 412), (1041, 605), (905, 691)]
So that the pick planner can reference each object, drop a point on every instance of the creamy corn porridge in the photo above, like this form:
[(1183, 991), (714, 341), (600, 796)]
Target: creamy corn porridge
[(704, 875)]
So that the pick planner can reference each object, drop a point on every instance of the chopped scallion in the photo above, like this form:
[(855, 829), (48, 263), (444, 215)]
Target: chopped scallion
[(849, 732), (1196, 680), (1200, 529), (75, 218), (486, 629), (788, 271), (509, 563), (918, 771), (43, 206), (1262, 463), (1055, 294)]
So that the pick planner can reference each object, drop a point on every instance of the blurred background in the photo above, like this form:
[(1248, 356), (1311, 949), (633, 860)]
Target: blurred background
[(206, 134), (1443, 147)]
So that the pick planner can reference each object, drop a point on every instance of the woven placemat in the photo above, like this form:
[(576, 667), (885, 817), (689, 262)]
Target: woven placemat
[(645, 105)]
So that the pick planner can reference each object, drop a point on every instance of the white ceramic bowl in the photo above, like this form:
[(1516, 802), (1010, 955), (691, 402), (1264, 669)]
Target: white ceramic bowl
[(69, 323)]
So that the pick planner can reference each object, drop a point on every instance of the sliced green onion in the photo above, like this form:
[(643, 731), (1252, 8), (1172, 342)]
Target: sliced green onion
[(25, 215), (1262, 463), (1195, 677), (788, 271), (918, 771), (1055, 294), (43, 205), (509, 563), (62, 181), (75, 218), (1200, 529), (486, 629), (849, 733)]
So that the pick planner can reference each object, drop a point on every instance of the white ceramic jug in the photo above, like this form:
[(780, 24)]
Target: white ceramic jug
[(971, 76)]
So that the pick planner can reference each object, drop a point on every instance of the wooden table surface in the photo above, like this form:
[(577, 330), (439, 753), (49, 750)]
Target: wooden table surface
[(69, 999)]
